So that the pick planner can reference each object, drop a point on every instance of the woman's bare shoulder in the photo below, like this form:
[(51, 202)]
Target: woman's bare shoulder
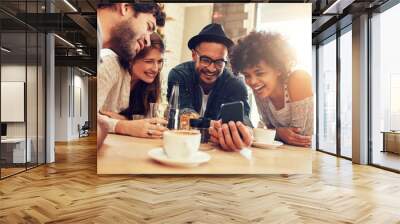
[(299, 85)]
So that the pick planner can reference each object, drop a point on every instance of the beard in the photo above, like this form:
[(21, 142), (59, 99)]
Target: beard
[(123, 41), (207, 82)]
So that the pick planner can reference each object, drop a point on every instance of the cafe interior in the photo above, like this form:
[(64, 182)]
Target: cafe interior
[(49, 163)]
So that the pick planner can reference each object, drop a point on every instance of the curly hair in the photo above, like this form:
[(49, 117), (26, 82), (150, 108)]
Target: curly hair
[(156, 9), (272, 48)]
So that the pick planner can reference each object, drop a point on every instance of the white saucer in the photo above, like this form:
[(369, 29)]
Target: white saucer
[(159, 155), (263, 145)]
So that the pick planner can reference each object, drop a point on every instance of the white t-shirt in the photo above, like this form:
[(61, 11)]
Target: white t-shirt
[(204, 102)]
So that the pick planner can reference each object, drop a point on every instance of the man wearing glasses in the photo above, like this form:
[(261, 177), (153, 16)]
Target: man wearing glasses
[(205, 84)]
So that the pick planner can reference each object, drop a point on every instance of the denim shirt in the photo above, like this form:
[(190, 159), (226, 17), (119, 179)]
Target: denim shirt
[(227, 88)]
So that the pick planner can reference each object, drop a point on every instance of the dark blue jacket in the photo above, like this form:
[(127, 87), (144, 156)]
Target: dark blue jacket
[(228, 88)]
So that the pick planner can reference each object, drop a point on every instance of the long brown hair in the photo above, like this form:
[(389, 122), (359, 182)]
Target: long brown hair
[(142, 93)]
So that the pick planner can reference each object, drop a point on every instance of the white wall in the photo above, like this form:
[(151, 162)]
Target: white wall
[(79, 117), (292, 20), (13, 72), (249, 23), (70, 84), (196, 18), (61, 103), (16, 73), (173, 31)]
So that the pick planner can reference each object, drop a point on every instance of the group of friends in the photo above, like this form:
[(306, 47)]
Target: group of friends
[(131, 58)]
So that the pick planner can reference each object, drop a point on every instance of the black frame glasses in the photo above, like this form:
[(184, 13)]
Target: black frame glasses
[(206, 61)]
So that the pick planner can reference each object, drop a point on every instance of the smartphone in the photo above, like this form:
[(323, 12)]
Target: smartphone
[(232, 112)]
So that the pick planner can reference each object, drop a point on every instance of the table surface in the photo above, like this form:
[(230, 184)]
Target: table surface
[(391, 132), (128, 155)]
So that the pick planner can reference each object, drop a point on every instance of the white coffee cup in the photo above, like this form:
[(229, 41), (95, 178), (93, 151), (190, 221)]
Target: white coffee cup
[(181, 144), (263, 135)]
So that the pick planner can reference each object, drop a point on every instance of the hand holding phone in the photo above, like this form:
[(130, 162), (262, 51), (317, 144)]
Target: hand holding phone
[(231, 136), (232, 112), (230, 133)]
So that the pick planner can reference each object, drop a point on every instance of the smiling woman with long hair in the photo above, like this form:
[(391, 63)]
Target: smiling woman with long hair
[(144, 88), (145, 72), (283, 94)]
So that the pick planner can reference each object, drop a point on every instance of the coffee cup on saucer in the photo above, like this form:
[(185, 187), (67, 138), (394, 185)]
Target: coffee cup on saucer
[(181, 144), (263, 135)]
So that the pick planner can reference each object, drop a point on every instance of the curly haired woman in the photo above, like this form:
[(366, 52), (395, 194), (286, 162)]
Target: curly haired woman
[(283, 95)]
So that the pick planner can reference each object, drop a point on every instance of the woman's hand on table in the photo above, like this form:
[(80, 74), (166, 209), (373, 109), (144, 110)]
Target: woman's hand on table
[(102, 130), (228, 137), (292, 136), (144, 128)]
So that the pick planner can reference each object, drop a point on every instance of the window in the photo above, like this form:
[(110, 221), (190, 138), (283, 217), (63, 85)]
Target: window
[(385, 87), (22, 72), (327, 96), (346, 94)]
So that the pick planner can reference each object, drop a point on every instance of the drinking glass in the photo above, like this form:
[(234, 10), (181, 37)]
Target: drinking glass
[(155, 111)]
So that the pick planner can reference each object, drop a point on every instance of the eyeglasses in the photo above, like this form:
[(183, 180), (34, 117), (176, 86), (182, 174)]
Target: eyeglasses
[(206, 61)]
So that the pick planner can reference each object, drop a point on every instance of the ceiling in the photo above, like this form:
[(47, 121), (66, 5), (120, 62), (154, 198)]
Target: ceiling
[(326, 14), (76, 23), (72, 20)]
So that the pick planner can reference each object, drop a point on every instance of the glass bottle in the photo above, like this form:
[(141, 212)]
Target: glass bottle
[(173, 108), (202, 124)]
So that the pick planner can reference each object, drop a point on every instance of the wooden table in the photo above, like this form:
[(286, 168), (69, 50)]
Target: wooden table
[(391, 141), (128, 155)]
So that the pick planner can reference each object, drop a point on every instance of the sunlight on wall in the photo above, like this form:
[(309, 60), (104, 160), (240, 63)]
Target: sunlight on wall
[(294, 22)]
